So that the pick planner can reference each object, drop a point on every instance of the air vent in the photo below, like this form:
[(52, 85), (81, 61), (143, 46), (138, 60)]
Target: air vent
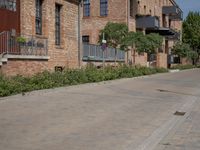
[(59, 68), (179, 113)]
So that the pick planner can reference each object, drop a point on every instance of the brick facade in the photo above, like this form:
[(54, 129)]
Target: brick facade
[(161, 60), (120, 11), (65, 54), (24, 67), (117, 12), (155, 8), (141, 59)]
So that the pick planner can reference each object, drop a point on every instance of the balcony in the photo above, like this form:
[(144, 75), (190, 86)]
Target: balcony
[(96, 54), (29, 46), (174, 12), (147, 22), (166, 32)]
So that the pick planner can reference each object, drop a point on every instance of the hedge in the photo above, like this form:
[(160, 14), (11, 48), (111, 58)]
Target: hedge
[(46, 80), (184, 67)]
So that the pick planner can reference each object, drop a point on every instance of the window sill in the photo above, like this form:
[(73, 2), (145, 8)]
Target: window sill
[(103, 16), (31, 57), (40, 36), (86, 17), (59, 47)]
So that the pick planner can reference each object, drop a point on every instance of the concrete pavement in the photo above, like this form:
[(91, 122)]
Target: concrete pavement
[(127, 114)]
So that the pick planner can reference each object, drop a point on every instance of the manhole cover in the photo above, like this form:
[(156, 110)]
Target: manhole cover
[(179, 113)]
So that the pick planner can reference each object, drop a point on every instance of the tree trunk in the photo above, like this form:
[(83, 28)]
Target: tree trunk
[(115, 57)]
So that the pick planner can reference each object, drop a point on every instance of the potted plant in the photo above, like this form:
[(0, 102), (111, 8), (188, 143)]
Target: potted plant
[(22, 42)]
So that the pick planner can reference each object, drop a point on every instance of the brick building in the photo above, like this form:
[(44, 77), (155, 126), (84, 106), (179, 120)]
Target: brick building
[(163, 17), (38, 35), (149, 16), (97, 13)]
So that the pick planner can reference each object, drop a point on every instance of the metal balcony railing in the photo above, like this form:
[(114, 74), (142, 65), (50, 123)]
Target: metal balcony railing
[(95, 53), (174, 12), (147, 22), (23, 45)]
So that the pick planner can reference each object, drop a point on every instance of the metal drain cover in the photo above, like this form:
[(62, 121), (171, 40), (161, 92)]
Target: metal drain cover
[(179, 113)]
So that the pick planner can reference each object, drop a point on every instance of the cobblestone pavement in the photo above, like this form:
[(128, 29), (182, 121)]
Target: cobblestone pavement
[(127, 114)]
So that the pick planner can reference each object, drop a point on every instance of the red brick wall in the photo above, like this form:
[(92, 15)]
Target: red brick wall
[(23, 67), (66, 54), (141, 59), (117, 12), (161, 60)]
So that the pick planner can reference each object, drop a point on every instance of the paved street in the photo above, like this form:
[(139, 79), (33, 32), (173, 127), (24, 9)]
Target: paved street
[(127, 114)]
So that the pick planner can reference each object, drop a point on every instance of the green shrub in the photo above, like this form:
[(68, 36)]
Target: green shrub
[(46, 80), (21, 39), (183, 67)]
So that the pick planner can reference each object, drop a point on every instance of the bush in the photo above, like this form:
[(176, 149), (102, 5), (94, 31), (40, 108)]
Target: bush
[(183, 67), (46, 80)]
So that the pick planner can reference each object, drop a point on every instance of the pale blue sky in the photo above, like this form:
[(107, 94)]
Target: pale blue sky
[(189, 5)]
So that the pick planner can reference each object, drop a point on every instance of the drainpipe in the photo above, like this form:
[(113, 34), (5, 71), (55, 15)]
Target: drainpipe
[(128, 13), (79, 33)]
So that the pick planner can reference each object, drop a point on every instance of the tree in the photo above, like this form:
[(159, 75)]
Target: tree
[(154, 41), (191, 32), (129, 42), (142, 43), (193, 55), (181, 49), (184, 50), (114, 33)]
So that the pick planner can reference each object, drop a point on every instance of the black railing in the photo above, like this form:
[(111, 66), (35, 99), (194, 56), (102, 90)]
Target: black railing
[(23, 45)]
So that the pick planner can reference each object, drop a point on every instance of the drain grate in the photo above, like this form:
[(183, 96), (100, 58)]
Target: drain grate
[(160, 90), (166, 144), (179, 113)]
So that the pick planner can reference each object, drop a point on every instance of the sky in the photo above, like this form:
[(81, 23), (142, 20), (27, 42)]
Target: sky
[(189, 5)]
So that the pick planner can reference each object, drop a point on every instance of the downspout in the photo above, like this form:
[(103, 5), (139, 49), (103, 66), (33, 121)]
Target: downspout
[(79, 33), (128, 14), (127, 53)]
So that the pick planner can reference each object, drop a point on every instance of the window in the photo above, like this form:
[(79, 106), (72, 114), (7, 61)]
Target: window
[(86, 39), (86, 8), (103, 7), (131, 8), (57, 24), (8, 4), (38, 17), (145, 10)]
